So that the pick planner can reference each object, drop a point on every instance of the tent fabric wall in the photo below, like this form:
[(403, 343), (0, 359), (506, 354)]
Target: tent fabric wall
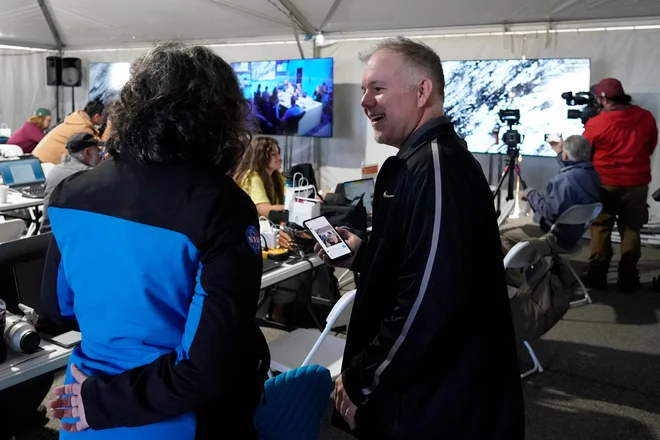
[(631, 56), (23, 86)]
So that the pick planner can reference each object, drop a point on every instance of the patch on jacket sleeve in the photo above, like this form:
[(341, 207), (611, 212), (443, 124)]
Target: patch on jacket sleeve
[(253, 238)]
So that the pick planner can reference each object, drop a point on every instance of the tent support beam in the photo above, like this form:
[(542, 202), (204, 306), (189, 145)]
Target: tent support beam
[(18, 45), (299, 17), (249, 12), (51, 23), (331, 12)]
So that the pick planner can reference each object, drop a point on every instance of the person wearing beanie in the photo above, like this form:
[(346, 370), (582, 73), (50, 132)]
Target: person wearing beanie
[(623, 137), (33, 131), (52, 148), (83, 153)]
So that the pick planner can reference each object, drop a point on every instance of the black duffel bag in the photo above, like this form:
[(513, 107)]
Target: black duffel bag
[(339, 212)]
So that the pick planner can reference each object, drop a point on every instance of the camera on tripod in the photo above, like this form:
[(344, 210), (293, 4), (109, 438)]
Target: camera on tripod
[(587, 99), (511, 138)]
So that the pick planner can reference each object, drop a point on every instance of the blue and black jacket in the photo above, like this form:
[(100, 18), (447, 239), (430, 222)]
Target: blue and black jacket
[(160, 267)]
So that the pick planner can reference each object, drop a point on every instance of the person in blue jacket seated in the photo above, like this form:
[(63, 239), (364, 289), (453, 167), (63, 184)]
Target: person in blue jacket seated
[(577, 183), (169, 349)]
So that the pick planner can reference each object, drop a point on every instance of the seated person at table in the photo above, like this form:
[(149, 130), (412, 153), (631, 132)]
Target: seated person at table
[(258, 175), (292, 111), (32, 132), (52, 148), (82, 154), (577, 183)]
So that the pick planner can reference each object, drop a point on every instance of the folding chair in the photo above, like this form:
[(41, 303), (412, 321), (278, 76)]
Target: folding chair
[(577, 215), (294, 404), (11, 230), (305, 346), (520, 256)]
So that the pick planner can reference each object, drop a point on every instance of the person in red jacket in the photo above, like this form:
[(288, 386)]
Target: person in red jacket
[(32, 132), (623, 137)]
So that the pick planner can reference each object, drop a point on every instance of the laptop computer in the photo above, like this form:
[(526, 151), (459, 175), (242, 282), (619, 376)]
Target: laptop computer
[(25, 175), (355, 190), (270, 265)]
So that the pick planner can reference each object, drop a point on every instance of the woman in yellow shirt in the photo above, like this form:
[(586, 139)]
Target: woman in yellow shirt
[(259, 176)]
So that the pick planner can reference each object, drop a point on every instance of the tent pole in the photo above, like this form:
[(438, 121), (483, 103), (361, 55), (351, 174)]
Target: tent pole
[(331, 12), (51, 24), (295, 13)]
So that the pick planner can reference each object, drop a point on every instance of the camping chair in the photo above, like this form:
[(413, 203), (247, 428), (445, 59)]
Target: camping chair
[(524, 255), (294, 403), (304, 346), (577, 215)]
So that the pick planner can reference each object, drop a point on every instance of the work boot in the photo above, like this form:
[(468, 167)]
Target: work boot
[(598, 282), (628, 284)]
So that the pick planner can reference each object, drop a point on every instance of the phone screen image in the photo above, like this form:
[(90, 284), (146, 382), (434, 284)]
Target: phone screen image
[(553, 137), (328, 238)]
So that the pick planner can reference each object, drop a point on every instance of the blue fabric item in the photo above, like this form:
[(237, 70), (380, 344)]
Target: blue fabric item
[(577, 183), (112, 309), (294, 404)]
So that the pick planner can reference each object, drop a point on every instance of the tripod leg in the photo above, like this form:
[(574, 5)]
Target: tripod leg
[(522, 182), (501, 181)]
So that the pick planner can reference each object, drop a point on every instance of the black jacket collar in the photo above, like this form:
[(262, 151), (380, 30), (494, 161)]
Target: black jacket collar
[(430, 130)]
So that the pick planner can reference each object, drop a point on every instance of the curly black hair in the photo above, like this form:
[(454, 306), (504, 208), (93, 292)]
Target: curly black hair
[(182, 104)]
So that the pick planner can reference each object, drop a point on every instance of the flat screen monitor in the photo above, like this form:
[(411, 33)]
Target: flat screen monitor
[(477, 90), (107, 79), (289, 97)]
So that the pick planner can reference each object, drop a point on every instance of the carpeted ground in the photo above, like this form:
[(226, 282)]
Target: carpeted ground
[(602, 378)]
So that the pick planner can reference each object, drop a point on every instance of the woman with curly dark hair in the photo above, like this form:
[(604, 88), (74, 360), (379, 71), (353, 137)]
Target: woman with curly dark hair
[(258, 173), (169, 346)]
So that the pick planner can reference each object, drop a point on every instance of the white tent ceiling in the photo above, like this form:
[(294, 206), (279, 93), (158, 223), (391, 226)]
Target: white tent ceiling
[(119, 23)]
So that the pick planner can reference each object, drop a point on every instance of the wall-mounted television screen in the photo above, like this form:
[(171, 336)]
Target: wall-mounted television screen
[(289, 97), (476, 91), (107, 79)]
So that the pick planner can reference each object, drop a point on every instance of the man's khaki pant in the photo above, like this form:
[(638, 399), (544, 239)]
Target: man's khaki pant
[(516, 230), (625, 205)]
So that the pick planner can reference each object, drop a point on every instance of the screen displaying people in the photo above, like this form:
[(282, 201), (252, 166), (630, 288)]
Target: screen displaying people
[(289, 97)]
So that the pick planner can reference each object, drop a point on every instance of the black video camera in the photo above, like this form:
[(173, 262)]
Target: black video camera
[(587, 99), (511, 138)]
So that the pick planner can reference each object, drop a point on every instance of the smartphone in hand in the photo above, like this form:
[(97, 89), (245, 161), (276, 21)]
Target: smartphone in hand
[(328, 238)]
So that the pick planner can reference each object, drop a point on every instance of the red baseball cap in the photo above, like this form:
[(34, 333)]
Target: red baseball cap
[(609, 88)]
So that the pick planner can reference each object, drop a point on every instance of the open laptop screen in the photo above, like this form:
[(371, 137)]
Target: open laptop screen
[(23, 172), (356, 189)]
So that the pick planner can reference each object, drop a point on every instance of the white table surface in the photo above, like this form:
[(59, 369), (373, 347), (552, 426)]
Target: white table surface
[(58, 357), (16, 201), (289, 270)]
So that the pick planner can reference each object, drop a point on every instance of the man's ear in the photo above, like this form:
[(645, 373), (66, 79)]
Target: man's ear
[(424, 92)]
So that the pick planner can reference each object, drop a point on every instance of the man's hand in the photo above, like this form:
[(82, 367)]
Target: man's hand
[(525, 192), (557, 147), (353, 242), (71, 406), (344, 405)]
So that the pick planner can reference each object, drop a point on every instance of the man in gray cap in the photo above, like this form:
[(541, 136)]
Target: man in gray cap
[(83, 153)]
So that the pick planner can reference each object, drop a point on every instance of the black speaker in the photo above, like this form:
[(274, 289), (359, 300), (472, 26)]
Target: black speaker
[(54, 71), (71, 72)]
